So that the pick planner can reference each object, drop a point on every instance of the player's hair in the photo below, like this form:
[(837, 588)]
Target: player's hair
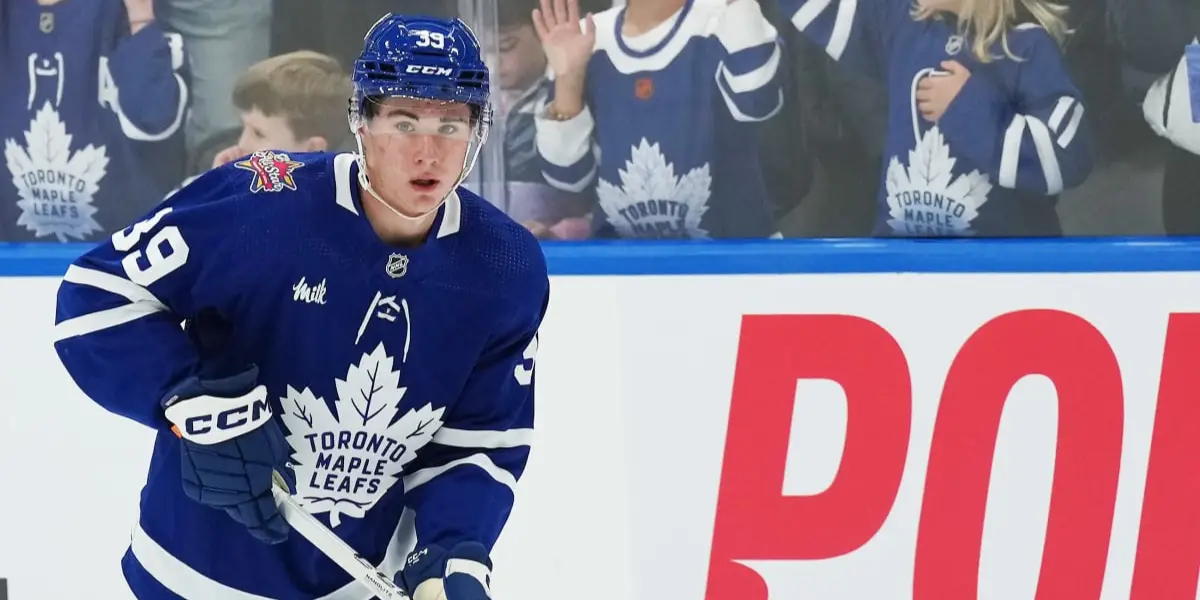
[(987, 22), (308, 89)]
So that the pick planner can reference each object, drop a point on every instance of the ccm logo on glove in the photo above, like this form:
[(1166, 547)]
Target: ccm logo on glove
[(208, 420)]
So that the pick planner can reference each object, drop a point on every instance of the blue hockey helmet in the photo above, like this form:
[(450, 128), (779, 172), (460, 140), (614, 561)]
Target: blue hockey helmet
[(425, 58)]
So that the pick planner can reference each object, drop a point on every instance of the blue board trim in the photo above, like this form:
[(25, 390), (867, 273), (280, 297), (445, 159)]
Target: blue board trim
[(1068, 255)]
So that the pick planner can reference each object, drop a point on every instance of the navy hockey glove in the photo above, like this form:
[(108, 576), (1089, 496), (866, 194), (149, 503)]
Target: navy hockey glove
[(230, 449), (462, 573)]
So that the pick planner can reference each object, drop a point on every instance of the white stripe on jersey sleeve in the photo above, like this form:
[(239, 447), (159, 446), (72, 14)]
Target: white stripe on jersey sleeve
[(483, 461), (467, 438)]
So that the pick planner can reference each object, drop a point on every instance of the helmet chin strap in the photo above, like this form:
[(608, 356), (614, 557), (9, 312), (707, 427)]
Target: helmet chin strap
[(366, 185), (365, 182)]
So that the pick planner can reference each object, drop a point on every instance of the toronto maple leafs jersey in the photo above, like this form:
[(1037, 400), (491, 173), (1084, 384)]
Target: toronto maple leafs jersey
[(666, 139), (90, 119), (402, 378), (1012, 139)]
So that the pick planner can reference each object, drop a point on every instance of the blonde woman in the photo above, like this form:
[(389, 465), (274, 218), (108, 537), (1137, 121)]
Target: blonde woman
[(985, 126)]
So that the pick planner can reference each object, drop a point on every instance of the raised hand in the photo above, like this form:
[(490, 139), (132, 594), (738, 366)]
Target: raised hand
[(568, 43)]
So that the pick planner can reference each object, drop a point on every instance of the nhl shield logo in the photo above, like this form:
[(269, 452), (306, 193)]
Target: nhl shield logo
[(954, 45), (397, 266)]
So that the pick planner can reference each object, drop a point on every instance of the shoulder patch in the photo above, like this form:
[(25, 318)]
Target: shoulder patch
[(272, 171)]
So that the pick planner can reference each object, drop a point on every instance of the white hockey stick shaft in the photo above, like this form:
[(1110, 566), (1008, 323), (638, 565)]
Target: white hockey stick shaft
[(332, 546)]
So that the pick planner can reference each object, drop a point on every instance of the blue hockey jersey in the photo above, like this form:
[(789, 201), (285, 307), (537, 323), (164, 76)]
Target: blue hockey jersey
[(90, 119), (1013, 139), (667, 137), (403, 378)]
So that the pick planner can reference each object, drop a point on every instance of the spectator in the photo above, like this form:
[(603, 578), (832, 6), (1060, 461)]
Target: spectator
[(986, 127), (91, 115), (1152, 35), (223, 38), (654, 108), (294, 102), (547, 211)]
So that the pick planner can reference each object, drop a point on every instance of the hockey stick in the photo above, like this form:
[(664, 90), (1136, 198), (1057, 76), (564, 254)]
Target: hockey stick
[(332, 546)]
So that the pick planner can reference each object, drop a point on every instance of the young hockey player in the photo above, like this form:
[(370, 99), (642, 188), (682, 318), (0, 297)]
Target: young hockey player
[(358, 323), (985, 126)]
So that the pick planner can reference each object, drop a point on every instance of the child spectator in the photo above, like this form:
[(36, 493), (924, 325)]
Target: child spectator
[(654, 108), (550, 213), (294, 102), (985, 126), (91, 116)]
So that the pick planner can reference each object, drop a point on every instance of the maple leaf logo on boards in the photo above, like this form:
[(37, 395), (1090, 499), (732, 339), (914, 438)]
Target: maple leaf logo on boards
[(651, 201), (346, 460), (57, 187), (925, 198)]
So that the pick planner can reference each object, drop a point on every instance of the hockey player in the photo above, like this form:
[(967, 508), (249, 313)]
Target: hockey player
[(985, 127), (358, 323)]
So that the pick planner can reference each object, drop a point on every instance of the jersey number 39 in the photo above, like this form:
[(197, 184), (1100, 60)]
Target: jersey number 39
[(162, 254)]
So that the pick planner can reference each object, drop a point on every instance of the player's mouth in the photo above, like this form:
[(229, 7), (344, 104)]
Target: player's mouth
[(424, 185)]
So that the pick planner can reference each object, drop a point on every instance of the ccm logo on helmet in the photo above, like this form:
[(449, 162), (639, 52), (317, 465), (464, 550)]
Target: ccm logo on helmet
[(429, 70)]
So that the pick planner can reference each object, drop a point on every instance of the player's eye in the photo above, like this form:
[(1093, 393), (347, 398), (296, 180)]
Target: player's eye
[(406, 126), (448, 129)]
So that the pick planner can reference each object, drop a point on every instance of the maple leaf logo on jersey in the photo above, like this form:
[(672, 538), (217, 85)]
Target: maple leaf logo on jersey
[(272, 171), (346, 460), (652, 202), (57, 187), (926, 198)]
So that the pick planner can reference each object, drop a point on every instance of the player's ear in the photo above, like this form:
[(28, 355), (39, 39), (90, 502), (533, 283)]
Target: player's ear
[(315, 143)]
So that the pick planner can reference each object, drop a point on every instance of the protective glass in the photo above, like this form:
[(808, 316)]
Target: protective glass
[(451, 121), (449, 129)]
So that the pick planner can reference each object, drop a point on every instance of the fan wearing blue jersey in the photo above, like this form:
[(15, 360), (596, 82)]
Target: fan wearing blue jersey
[(985, 126), (358, 324), (654, 107)]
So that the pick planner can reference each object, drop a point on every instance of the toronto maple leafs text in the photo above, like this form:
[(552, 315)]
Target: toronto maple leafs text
[(336, 471), (927, 212)]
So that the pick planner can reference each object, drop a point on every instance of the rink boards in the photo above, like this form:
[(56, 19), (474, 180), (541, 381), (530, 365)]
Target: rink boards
[(900, 420)]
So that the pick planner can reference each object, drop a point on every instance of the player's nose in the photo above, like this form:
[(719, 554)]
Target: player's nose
[(427, 151)]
